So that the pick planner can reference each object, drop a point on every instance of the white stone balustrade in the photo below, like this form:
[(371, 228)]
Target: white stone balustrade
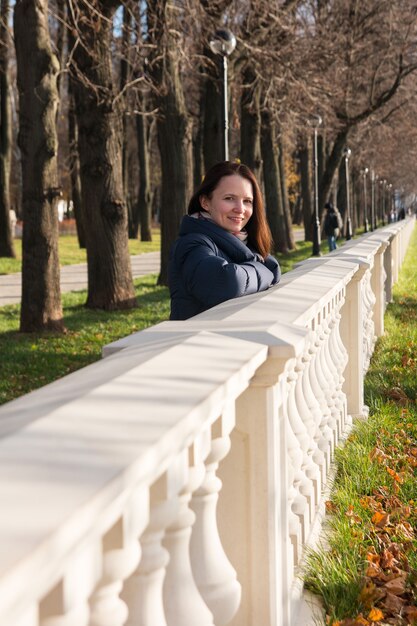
[(178, 481)]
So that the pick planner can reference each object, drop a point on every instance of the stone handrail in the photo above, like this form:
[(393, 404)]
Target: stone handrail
[(178, 481)]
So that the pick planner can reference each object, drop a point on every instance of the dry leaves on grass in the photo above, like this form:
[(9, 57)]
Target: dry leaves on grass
[(389, 592)]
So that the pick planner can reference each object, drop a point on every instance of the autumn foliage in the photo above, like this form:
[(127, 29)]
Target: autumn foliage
[(367, 569)]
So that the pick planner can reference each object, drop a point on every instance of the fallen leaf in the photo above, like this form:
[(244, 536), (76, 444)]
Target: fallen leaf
[(396, 586), (375, 615), (380, 519), (330, 508), (393, 603), (373, 570)]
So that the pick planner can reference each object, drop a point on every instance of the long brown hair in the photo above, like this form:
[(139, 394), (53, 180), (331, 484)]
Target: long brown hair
[(259, 235)]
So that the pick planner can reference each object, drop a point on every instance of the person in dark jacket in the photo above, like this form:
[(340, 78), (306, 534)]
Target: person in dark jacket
[(333, 224), (222, 251)]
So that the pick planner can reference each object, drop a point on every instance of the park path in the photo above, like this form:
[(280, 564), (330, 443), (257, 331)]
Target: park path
[(74, 277)]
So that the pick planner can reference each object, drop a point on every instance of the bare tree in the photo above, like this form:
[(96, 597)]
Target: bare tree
[(173, 124), (37, 69), (99, 117)]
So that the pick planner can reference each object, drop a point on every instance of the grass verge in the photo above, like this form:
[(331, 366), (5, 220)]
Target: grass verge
[(29, 361), (366, 569), (70, 253)]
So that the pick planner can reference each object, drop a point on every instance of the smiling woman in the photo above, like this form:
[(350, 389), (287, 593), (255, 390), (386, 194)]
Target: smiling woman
[(222, 251)]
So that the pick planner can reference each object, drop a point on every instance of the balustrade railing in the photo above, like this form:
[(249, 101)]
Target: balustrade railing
[(178, 481)]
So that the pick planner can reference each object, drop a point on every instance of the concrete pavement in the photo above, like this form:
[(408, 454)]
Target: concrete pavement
[(74, 277)]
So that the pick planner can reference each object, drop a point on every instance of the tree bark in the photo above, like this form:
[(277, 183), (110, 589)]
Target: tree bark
[(99, 118), (273, 197), (144, 208), (332, 163), (74, 166), (285, 202), (37, 69), (173, 129), (250, 128), (6, 235), (213, 123)]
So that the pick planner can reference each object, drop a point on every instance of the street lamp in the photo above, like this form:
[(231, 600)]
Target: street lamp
[(390, 204), (347, 152), (223, 42), (372, 200), (315, 122), (365, 203), (383, 182)]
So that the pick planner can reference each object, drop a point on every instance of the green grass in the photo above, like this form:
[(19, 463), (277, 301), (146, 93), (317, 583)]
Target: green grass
[(30, 361), (376, 468), (70, 253)]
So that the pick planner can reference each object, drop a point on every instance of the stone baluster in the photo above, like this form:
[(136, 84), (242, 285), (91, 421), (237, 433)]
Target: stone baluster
[(321, 384), (331, 359), (312, 425), (378, 281), (328, 376), (215, 576), (369, 327), (183, 602), (67, 603), (304, 429), (323, 435), (121, 555), (339, 354), (351, 330), (300, 487), (143, 591), (388, 266)]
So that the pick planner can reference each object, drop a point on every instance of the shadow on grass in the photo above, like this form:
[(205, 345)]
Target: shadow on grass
[(29, 361)]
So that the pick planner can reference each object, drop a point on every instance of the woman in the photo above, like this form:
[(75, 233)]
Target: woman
[(222, 251)]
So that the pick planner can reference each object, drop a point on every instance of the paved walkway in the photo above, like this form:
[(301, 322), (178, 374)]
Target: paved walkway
[(74, 277)]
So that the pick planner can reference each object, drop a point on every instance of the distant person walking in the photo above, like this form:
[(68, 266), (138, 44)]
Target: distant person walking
[(333, 225)]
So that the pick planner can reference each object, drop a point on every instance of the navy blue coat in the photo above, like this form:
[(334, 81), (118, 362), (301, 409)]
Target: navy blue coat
[(208, 265)]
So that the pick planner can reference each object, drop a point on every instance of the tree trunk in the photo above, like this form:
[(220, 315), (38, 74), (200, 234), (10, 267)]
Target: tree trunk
[(144, 208), (285, 202), (6, 235), (198, 143), (341, 193), (332, 163), (250, 128), (306, 176), (132, 209), (213, 123), (99, 117), (74, 166), (37, 69), (173, 130), (273, 197)]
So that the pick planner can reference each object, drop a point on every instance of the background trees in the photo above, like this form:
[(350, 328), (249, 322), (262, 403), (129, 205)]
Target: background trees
[(140, 113)]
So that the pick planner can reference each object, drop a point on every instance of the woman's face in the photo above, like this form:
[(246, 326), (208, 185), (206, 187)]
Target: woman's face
[(231, 203)]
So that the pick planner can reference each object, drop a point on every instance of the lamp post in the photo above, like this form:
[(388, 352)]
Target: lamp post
[(372, 200), (383, 182), (347, 152), (223, 43), (390, 204), (315, 122), (365, 201)]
